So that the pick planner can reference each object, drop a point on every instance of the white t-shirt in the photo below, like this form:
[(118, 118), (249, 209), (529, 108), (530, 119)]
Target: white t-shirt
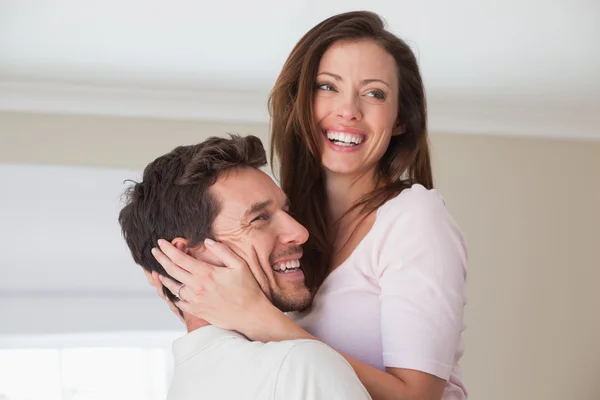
[(398, 300), (213, 363)]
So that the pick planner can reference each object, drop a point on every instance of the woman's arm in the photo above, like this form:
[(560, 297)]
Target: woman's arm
[(394, 383)]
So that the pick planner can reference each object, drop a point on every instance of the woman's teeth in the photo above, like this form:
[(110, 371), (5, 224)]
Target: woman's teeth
[(344, 139), (287, 266)]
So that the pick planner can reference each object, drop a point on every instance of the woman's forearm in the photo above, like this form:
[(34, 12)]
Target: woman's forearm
[(269, 324), (274, 326), (382, 385)]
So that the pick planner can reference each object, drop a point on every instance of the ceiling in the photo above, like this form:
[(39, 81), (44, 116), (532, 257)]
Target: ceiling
[(490, 67)]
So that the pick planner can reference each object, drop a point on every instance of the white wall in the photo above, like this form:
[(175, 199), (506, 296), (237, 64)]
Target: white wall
[(529, 209)]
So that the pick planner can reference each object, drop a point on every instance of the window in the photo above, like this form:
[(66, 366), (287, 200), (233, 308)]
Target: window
[(86, 372)]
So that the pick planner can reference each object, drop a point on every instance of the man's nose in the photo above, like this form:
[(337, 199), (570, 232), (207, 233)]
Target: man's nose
[(293, 232)]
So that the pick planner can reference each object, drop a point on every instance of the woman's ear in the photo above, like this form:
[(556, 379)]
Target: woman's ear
[(399, 128)]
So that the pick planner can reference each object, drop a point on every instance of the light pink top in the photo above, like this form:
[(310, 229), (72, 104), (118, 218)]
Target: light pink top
[(398, 300)]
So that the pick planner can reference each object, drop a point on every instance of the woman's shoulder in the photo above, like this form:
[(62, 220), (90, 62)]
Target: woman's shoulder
[(416, 199), (417, 212), (417, 221)]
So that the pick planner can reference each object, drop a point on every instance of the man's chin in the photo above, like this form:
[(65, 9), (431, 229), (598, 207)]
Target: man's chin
[(289, 303)]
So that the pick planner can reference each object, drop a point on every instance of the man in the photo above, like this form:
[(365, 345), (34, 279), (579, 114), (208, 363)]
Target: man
[(215, 189)]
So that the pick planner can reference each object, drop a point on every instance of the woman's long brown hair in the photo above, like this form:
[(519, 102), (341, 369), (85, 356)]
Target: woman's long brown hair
[(295, 134)]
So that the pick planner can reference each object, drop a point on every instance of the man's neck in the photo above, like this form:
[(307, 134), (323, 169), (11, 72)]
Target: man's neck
[(193, 323)]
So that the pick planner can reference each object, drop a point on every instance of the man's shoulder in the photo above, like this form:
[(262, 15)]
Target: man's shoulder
[(239, 349), (313, 370), (212, 340), (295, 351), (311, 356), (308, 350), (298, 354), (271, 370), (207, 370)]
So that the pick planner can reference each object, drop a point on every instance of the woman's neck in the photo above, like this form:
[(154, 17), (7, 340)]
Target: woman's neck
[(343, 191)]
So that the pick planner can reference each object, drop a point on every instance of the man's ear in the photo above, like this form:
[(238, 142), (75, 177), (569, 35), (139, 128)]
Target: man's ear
[(399, 128), (181, 244), (199, 252)]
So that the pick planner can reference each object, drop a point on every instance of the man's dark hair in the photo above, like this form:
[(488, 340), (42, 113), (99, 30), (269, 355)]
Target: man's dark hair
[(173, 199)]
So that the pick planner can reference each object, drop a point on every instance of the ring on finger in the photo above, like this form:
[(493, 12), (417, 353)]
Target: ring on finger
[(178, 291)]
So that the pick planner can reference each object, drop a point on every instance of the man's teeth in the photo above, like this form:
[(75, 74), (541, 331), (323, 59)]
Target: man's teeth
[(344, 139), (287, 265)]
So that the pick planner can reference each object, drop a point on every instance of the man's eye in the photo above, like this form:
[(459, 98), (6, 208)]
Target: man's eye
[(261, 217)]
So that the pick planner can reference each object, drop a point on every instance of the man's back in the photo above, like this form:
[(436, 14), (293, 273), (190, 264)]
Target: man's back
[(212, 363)]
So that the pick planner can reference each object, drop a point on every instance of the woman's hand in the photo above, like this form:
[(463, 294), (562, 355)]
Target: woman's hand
[(229, 297), (154, 280)]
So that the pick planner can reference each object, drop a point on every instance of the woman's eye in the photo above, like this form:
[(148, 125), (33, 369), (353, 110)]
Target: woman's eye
[(377, 94), (261, 217), (325, 86)]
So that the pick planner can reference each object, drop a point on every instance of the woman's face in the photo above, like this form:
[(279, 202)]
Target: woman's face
[(356, 106)]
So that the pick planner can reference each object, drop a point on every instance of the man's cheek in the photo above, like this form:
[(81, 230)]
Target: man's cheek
[(237, 248), (207, 256), (244, 248)]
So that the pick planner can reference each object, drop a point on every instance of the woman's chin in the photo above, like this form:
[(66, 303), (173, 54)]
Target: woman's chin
[(337, 168)]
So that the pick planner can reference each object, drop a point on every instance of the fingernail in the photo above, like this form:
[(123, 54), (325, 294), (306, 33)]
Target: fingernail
[(209, 242), (160, 277), (153, 251), (160, 241)]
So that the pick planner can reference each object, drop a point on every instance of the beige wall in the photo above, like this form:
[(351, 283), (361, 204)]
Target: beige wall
[(97, 141), (528, 207), (531, 212)]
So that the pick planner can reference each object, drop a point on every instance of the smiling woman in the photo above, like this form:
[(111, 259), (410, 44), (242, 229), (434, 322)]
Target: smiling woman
[(361, 91)]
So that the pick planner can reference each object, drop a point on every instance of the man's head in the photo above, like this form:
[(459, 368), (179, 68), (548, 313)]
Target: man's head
[(215, 190)]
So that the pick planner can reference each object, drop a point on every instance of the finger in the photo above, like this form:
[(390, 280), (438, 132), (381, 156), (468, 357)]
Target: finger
[(225, 254), (170, 284), (161, 293), (158, 286), (175, 311), (170, 267), (178, 257), (149, 276), (153, 279), (208, 257), (185, 293), (188, 308)]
